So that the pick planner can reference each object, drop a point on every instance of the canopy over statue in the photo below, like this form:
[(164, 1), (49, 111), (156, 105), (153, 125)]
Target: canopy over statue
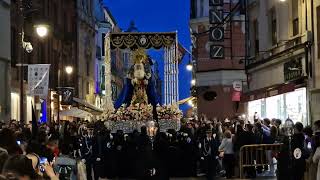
[(138, 101)]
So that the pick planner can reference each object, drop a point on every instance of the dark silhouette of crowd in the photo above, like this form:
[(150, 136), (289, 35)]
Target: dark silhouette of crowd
[(74, 150)]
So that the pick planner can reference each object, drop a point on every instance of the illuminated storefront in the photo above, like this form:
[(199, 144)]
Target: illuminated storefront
[(291, 105), (15, 107)]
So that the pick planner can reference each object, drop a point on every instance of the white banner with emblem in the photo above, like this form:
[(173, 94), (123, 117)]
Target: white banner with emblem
[(38, 79)]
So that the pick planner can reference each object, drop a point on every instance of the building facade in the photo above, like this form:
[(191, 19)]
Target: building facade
[(282, 68), (215, 77), (57, 49), (86, 50), (104, 24), (5, 58)]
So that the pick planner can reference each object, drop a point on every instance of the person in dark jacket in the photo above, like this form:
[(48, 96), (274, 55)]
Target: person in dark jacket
[(299, 155), (209, 149)]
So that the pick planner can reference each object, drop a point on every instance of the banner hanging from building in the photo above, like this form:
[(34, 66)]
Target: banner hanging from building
[(67, 95), (38, 79)]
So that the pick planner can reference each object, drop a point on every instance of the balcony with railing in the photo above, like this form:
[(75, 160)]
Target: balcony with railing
[(280, 49)]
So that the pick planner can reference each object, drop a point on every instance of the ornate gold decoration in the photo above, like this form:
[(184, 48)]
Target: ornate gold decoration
[(156, 40), (142, 40), (139, 56), (168, 41), (117, 41), (129, 40)]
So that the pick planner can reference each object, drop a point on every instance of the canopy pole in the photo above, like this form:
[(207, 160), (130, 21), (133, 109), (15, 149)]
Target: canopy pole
[(108, 106)]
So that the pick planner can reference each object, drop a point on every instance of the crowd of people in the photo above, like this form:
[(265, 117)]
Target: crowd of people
[(89, 150)]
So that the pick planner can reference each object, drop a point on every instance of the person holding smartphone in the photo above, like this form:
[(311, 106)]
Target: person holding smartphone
[(22, 166)]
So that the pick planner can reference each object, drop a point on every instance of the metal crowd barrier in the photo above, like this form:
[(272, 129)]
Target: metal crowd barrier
[(255, 155)]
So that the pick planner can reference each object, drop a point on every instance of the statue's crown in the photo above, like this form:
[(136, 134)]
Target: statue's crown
[(139, 56)]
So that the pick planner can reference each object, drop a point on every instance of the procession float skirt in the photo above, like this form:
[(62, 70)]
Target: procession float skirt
[(130, 126)]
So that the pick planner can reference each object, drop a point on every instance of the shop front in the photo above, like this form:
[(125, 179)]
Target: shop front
[(291, 105), (278, 88)]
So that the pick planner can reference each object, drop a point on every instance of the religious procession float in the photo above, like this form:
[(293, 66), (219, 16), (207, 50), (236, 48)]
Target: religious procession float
[(138, 102)]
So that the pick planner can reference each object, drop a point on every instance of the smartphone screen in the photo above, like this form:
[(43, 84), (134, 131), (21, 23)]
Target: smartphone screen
[(19, 143), (309, 146), (43, 160)]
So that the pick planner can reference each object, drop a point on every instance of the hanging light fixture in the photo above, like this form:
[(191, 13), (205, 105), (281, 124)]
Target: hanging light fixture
[(69, 69), (42, 30)]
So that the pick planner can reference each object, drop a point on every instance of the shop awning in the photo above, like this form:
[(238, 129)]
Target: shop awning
[(91, 108), (75, 112), (268, 92)]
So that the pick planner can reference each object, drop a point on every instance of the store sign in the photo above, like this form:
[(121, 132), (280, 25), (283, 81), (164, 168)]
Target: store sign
[(216, 52), (293, 69), (38, 79), (216, 16), (216, 31), (236, 96), (216, 34), (237, 85)]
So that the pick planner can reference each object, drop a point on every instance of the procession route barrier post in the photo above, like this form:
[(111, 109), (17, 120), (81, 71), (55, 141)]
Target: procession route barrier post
[(255, 155)]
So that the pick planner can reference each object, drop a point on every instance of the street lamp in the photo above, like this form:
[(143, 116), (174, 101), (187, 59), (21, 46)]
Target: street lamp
[(193, 82), (69, 69), (42, 30), (189, 66)]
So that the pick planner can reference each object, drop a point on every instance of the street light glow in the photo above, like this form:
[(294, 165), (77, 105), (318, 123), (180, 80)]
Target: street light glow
[(189, 67), (69, 69), (190, 102), (282, 0), (42, 30), (193, 82)]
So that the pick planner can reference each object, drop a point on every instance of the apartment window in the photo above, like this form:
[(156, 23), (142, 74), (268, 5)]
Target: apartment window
[(14, 46), (88, 68), (88, 88), (201, 8), (55, 14), (273, 26), (295, 18), (103, 35), (256, 36), (193, 9), (65, 22)]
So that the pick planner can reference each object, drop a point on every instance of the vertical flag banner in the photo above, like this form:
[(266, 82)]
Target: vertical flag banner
[(38, 79), (67, 95)]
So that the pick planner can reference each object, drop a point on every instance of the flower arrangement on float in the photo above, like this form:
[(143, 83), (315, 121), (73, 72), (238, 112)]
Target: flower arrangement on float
[(137, 112), (169, 112)]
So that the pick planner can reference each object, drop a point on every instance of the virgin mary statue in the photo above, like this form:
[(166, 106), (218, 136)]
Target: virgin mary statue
[(139, 86)]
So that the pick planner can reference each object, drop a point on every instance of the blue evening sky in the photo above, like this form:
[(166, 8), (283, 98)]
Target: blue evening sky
[(158, 16)]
